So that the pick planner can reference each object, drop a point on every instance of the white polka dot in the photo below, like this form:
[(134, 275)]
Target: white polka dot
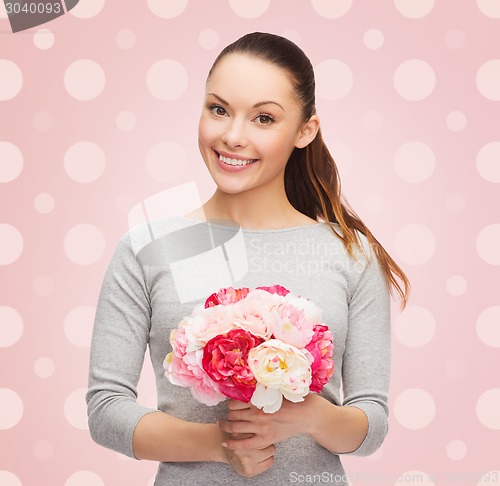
[(456, 285), (374, 203), (12, 79), (487, 408), (78, 326), (84, 79), (373, 121), (11, 326), (43, 285), (488, 79), (373, 39), (414, 162), (125, 39), (487, 244), (455, 39), (167, 162), (43, 121), (44, 203), (292, 35), (11, 244), (43, 450), (84, 244), (126, 121), (8, 478), (415, 244), (414, 477), (455, 203), (3, 11), (490, 8), (414, 408), (44, 367), (84, 478), (489, 477), (208, 39), (334, 79), (414, 80), (331, 10), (87, 10), (456, 121), (414, 9), (415, 327), (167, 80), (455, 368), (249, 10), (125, 202), (167, 10), (12, 161), (44, 39), (84, 162), (456, 450), (75, 409), (488, 162), (488, 326), (12, 408)]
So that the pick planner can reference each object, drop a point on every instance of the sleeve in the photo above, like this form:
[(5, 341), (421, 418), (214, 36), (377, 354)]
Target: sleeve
[(119, 341), (367, 354)]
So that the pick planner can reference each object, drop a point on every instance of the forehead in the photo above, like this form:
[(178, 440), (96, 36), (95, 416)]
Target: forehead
[(245, 77)]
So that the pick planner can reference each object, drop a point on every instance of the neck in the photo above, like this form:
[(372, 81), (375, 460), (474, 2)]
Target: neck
[(254, 209)]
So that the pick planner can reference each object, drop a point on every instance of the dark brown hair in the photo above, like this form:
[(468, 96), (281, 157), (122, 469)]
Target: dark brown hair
[(312, 180)]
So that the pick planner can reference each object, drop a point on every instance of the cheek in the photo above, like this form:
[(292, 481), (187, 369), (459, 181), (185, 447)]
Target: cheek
[(208, 130)]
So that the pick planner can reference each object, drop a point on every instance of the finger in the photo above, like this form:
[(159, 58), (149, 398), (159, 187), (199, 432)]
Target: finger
[(240, 415), (255, 442), (237, 405), (237, 427)]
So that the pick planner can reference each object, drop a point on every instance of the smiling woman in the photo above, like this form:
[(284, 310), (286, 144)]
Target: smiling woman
[(260, 138)]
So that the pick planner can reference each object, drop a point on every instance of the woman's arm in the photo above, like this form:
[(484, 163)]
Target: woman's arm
[(359, 426), (116, 420), (338, 429)]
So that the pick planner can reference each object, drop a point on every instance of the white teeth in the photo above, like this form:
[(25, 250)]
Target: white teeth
[(229, 161)]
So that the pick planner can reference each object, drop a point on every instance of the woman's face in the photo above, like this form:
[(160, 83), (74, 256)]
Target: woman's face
[(249, 125)]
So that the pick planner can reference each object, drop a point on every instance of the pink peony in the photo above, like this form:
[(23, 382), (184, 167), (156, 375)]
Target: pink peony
[(321, 349), (185, 369), (225, 361), (275, 289), (226, 296), (290, 326), (210, 322), (253, 315)]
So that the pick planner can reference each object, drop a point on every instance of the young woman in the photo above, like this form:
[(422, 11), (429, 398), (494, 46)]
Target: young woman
[(260, 138)]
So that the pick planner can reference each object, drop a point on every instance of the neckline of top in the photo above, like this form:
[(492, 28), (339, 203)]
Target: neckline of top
[(246, 230)]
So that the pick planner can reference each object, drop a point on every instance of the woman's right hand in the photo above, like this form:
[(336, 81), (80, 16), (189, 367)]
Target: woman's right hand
[(248, 462)]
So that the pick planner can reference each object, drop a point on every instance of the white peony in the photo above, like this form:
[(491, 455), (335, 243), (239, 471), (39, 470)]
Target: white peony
[(281, 370)]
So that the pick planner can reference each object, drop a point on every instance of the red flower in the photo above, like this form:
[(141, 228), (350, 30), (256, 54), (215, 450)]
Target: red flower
[(225, 360), (226, 296), (321, 348), (275, 289)]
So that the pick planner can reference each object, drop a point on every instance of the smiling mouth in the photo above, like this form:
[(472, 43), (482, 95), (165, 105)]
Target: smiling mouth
[(235, 162)]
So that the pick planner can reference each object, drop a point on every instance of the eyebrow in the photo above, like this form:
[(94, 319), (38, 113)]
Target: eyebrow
[(260, 103)]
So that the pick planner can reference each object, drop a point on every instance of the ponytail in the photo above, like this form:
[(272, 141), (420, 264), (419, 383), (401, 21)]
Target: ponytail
[(313, 187)]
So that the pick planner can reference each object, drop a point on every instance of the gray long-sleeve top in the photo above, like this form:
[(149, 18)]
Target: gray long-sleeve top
[(160, 271)]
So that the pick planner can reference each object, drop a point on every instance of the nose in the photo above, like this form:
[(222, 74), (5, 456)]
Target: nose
[(234, 135)]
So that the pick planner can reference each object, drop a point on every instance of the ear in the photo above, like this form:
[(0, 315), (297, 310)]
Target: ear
[(308, 132)]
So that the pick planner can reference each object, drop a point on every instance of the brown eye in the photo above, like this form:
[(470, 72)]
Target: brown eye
[(217, 110), (265, 119)]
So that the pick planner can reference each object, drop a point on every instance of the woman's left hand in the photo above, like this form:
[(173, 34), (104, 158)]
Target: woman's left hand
[(267, 428)]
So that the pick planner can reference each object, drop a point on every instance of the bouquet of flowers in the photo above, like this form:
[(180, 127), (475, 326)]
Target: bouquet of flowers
[(255, 345)]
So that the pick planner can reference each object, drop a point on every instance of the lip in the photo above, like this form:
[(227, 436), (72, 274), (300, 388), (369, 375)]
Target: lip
[(232, 168)]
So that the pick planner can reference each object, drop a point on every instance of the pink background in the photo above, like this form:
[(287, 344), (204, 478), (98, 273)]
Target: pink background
[(98, 112)]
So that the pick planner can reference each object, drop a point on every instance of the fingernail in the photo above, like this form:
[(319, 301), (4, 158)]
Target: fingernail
[(223, 444)]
